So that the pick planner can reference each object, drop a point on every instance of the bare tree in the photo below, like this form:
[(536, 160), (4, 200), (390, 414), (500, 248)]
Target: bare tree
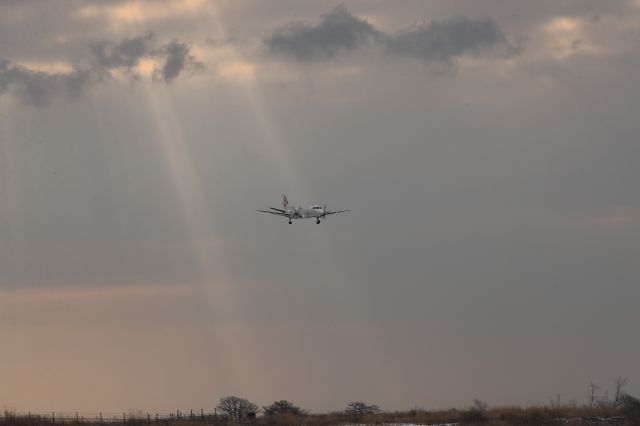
[(620, 382), (236, 408), (360, 408), (555, 402), (629, 402), (604, 400), (479, 405), (593, 389), (282, 407)]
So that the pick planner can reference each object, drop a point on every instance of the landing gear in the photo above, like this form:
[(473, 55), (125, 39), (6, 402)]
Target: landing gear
[(318, 222), (290, 222)]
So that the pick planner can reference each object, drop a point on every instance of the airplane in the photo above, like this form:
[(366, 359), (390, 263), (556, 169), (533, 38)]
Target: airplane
[(316, 211)]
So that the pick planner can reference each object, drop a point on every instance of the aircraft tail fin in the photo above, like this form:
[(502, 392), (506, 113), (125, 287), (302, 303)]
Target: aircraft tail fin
[(285, 202)]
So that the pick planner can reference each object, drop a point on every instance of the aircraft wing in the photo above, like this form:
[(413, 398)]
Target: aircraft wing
[(278, 213), (339, 211)]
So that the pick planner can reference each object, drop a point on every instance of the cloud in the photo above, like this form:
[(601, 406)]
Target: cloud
[(36, 87), (119, 12), (126, 54), (177, 59), (338, 31), (438, 42), (132, 53), (565, 37), (129, 58), (443, 41)]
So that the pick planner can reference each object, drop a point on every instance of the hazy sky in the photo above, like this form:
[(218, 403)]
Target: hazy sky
[(488, 151)]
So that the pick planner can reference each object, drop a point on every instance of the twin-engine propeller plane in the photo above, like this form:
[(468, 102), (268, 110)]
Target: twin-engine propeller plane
[(317, 211)]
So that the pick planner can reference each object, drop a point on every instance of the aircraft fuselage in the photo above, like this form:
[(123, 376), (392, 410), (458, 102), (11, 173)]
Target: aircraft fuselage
[(306, 212)]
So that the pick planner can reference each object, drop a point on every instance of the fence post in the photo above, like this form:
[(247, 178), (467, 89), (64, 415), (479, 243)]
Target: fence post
[(100, 417), (53, 417), (156, 417), (124, 417), (201, 414), (76, 417), (148, 418)]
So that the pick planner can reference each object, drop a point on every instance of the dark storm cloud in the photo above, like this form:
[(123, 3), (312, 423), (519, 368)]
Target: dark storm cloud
[(37, 87), (442, 41), (338, 31), (439, 41), (177, 59), (175, 56), (126, 54)]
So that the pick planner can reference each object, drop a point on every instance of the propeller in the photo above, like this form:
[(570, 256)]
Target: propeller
[(294, 211)]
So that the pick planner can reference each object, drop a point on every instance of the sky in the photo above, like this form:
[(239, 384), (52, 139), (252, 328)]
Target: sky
[(487, 151)]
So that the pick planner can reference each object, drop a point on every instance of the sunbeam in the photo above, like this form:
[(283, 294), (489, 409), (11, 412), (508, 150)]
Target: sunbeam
[(346, 297)]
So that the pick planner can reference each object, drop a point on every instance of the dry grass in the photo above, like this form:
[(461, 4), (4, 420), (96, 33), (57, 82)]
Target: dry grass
[(503, 416)]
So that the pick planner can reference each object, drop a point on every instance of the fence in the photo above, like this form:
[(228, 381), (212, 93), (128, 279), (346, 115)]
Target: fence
[(112, 417)]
